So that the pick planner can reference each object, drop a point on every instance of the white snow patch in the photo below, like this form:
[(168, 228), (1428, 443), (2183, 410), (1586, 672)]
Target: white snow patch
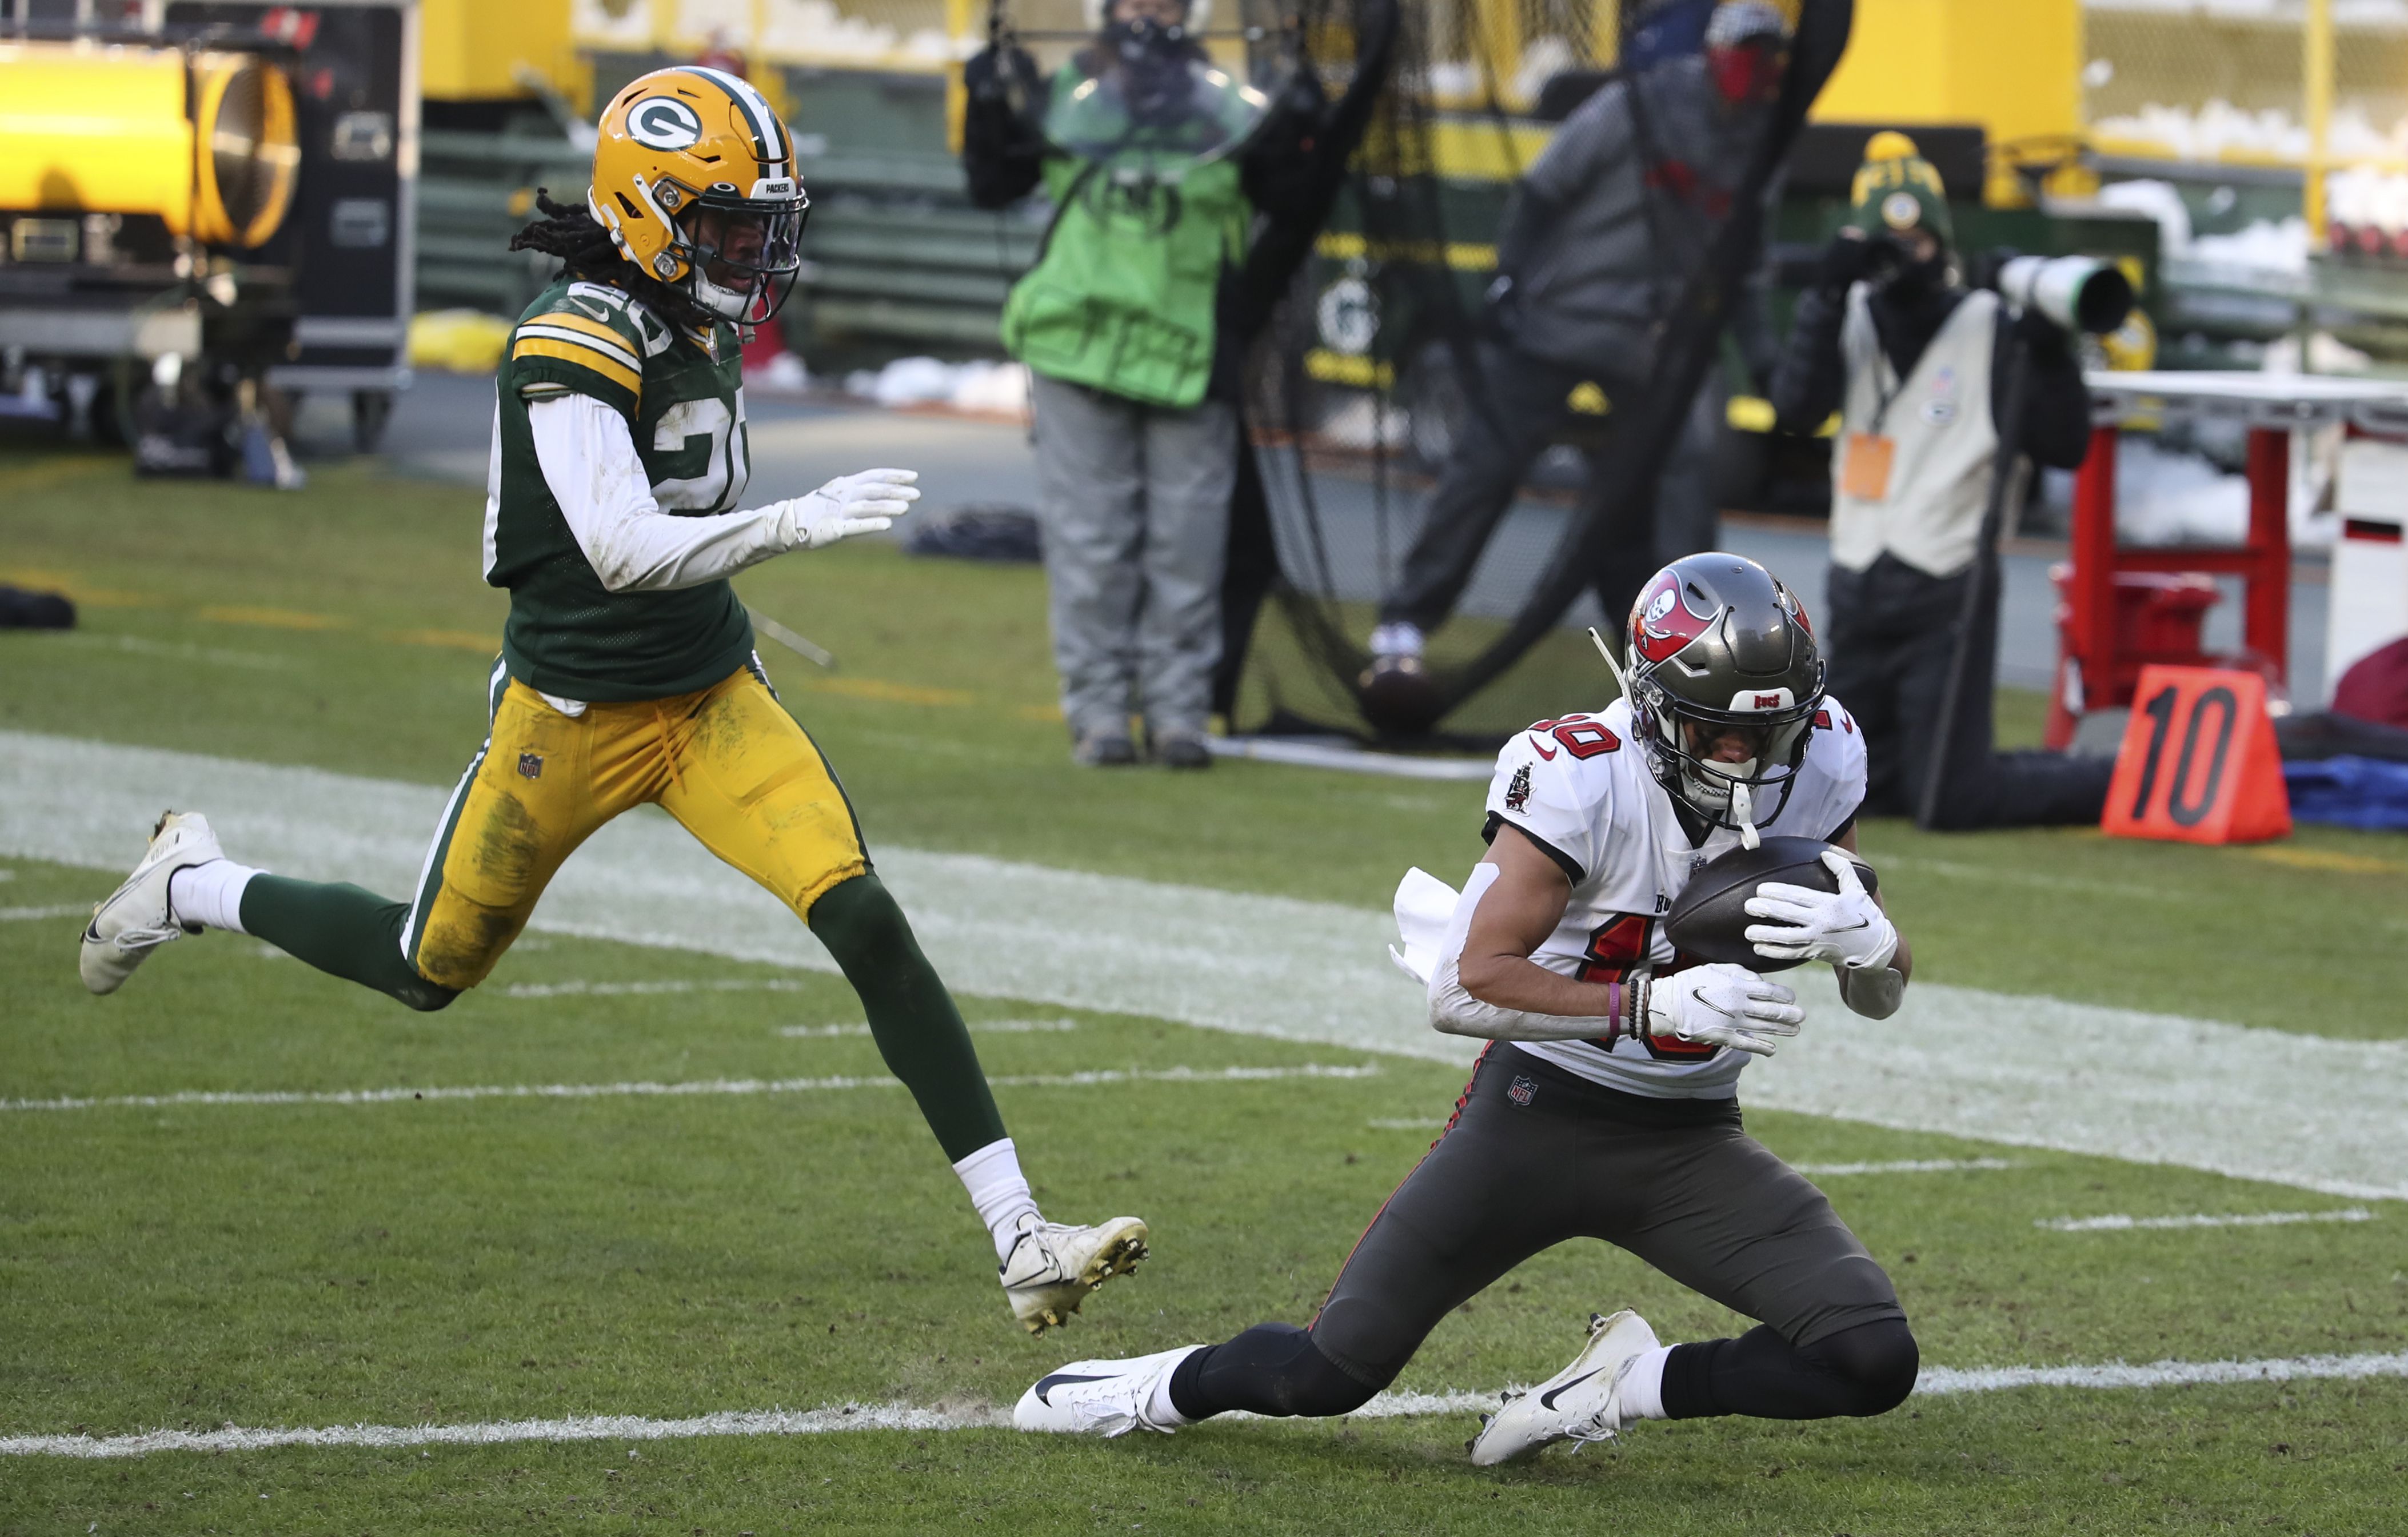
[(979, 385)]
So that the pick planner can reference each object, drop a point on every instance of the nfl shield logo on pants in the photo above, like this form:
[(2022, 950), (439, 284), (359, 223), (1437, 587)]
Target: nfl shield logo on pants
[(531, 764), (1521, 1091)]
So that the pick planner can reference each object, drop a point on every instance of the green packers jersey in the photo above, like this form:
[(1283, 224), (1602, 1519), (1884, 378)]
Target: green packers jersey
[(681, 394)]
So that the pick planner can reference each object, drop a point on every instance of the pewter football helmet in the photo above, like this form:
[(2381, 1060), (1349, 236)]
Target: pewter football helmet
[(1717, 646)]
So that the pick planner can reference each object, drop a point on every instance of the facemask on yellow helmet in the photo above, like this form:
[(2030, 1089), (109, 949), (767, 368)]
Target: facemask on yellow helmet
[(693, 177)]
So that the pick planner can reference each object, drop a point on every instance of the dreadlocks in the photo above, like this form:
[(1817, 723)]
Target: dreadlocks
[(571, 231)]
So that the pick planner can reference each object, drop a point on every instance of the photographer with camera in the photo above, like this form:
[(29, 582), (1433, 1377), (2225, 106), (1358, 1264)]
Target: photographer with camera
[(1924, 373), (1603, 233), (1157, 164)]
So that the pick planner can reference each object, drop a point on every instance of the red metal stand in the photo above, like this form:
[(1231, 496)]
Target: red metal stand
[(2096, 670)]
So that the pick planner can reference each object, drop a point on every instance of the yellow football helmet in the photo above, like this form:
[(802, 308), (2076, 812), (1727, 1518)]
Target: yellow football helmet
[(693, 177)]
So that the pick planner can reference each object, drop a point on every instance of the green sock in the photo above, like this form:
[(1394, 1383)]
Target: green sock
[(341, 929), (912, 1017)]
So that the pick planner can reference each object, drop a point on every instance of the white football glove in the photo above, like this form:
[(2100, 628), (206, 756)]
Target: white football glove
[(867, 503), (1723, 1005), (1845, 926)]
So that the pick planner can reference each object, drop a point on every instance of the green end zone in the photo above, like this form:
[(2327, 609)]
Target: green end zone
[(460, 1262)]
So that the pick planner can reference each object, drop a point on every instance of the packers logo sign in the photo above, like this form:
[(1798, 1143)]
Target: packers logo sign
[(663, 122)]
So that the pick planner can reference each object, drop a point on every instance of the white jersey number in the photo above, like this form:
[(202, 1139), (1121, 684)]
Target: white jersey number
[(693, 423)]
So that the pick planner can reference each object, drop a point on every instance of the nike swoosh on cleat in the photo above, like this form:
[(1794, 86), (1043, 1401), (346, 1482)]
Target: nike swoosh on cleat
[(1547, 1399), (1044, 1384)]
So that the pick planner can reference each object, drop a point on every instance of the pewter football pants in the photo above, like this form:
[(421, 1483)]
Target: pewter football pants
[(1535, 1156), (1137, 531)]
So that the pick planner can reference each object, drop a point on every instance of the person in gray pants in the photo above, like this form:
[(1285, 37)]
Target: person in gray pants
[(1137, 527), (1604, 232), (1158, 166)]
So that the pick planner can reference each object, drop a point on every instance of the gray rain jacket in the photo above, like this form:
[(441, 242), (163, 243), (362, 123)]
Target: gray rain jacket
[(1614, 215)]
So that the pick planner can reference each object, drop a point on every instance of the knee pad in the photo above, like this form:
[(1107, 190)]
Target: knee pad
[(862, 925), (1276, 1368), (428, 997), (1878, 1361)]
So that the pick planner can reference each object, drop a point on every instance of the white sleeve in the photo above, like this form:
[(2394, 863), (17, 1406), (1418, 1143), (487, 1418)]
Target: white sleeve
[(1452, 1009), (1542, 787), (589, 461)]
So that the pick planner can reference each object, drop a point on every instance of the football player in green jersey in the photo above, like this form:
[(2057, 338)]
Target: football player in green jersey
[(627, 673)]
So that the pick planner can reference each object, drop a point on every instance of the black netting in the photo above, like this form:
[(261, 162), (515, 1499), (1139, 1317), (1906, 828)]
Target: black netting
[(1377, 351)]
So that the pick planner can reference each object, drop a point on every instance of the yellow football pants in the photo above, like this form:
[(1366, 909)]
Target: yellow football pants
[(727, 762)]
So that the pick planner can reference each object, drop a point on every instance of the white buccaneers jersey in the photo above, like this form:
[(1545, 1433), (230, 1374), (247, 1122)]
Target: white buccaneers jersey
[(1580, 787)]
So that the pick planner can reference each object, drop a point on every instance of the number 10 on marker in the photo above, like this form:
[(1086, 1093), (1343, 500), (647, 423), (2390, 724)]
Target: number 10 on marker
[(2199, 762)]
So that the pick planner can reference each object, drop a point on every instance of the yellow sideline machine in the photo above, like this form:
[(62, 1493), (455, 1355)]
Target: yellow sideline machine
[(205, 208)]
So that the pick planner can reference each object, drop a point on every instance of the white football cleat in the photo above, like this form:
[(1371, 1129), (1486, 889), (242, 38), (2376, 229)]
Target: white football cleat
[(136, 919), (1051, 1268), (1097, 1397), (1581, 1402)]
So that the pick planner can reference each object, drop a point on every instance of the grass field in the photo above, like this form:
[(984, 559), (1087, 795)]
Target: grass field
[(468, 1262)]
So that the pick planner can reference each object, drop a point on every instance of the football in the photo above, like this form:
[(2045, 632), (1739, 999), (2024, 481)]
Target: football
[(1709, 919)]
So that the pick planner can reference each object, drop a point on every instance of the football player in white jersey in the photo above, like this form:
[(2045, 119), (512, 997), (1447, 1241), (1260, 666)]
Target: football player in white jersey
[(1605, 1104)]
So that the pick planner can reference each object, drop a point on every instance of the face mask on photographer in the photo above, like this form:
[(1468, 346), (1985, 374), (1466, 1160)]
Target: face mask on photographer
[(1746, 52), (1148, 43), (1899, 206), (1922, 261)]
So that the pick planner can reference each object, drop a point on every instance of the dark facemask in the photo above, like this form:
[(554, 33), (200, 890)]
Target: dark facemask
[(1153, 63), (1912, 278)]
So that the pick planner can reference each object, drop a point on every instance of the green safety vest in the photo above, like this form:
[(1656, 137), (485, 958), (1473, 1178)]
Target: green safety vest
[(1121, 299)]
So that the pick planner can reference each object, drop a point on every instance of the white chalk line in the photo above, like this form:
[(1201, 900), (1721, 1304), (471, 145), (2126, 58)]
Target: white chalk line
[(39, 914), (2317, 1113), (977, 1027), (649, 989), (1824, 1171), (1934, 1382), (1091, 1079), (178, 651), (2122, 1224), (1408, 1123), (1905, 1166), (1990, 875)]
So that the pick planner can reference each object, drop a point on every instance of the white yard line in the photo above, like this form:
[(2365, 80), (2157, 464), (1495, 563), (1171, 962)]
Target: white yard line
[(978, 1027), (640, 1089), (649, 989), (1938, 1381), (2302, 1110), (2123, 891), (1905, 1166), (2119, 1224), (40, 915), (175, 651)]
